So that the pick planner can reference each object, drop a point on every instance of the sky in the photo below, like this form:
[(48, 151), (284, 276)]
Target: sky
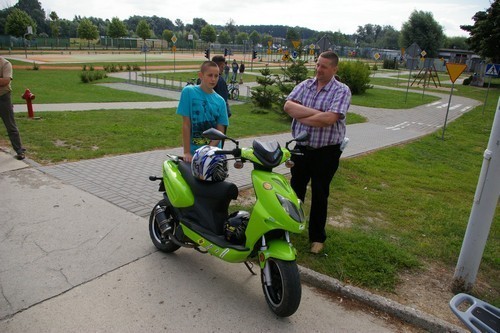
[(321, 15)]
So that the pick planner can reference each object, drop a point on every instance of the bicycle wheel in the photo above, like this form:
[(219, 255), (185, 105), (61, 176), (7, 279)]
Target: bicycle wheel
[(235, 93)]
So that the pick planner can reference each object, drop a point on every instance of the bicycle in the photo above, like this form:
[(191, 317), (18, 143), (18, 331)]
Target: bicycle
[(234, 90)]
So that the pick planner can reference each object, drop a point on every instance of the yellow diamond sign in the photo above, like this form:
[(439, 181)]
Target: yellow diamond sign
[(454, 70)]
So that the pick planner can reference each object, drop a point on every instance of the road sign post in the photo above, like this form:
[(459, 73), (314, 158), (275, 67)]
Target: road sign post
[(454, 71)]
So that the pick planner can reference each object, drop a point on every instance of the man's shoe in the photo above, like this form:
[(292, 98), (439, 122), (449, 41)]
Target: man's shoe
[(317, 247), (20, 156)]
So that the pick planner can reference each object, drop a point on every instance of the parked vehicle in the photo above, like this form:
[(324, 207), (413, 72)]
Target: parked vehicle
[(194, 213)]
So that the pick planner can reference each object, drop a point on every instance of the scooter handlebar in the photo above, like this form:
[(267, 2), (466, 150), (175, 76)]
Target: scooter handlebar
[(235, 152)]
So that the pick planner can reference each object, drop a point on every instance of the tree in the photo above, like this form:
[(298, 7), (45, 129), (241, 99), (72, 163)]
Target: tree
[(425, 31), (264, 94), (232, 29), (54, 24), (456, 43), (389, 38), (198, 24), (179, 24), (167, 35), (485, 33), (241, 38), (117, 28), (18, 22), (208, 34), (87, 30), (143, 30), (292, 34), (254, 37), (34, 9), (224, 37)]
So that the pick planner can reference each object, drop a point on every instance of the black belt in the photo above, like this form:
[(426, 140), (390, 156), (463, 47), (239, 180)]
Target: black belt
[(323, 147)]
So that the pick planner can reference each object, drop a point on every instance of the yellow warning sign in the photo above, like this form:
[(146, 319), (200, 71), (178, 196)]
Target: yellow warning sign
[(296, 43), (454, 70)]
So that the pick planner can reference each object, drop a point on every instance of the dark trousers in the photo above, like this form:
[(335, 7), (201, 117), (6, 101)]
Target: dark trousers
[(7, 113), (317, 166)]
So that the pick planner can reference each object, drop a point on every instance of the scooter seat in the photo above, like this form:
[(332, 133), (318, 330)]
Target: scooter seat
[(212, 199)]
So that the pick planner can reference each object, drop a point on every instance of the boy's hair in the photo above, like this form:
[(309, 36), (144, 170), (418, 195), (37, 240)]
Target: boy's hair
[(218, 58), (206, 64)]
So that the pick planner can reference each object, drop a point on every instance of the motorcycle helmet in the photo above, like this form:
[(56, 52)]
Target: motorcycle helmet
[(208, 166), (235, 226)]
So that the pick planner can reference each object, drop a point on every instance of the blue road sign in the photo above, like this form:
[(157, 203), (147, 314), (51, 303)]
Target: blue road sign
[(492, 70), (294, 54)]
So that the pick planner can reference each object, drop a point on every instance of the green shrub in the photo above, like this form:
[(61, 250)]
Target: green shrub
[(467, 81), (355, 75), (91, 75), (390, 64)]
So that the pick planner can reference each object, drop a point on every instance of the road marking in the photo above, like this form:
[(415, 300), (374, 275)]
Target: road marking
[(432, 104)]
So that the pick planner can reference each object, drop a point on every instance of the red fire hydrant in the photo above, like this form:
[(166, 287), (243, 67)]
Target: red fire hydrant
[(28, 96)]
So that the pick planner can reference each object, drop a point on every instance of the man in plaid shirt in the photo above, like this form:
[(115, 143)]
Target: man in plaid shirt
[(318, 106)]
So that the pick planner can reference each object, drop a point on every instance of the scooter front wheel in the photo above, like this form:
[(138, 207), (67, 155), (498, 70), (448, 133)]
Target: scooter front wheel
[(283, 292), (162, 243)]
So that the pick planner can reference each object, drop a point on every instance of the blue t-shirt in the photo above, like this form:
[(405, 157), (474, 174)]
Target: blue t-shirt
[(205, 111)]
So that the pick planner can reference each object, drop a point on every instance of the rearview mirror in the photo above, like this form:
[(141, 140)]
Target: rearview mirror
[(214, 134)]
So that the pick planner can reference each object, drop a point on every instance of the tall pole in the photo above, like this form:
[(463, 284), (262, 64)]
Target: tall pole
[(482, 213), (447, 110)]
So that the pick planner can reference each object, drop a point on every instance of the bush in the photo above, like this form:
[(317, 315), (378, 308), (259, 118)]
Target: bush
[(390, 64), (91, 75), (355, 75), (467, 81)]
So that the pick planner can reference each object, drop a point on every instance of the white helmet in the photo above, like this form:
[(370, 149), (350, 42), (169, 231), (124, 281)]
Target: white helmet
[(208, 166)]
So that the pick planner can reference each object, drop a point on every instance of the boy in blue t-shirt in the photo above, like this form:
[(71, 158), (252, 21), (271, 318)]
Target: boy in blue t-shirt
[(201, 108)]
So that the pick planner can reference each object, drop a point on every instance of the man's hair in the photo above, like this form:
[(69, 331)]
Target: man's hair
[(332, 56), (206, 64), (218, 58)]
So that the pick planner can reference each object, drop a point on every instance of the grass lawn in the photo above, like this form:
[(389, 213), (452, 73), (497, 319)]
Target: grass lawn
[(65, 86)]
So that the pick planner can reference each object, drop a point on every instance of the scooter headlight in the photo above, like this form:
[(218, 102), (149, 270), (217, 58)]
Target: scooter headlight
[(295, 212)]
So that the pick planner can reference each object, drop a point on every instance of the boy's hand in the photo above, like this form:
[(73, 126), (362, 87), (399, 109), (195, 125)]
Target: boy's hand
[(188, 157)]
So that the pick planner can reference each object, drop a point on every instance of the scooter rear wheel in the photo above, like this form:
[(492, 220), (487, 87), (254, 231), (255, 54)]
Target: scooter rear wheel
[(284, 294), (162, 243)]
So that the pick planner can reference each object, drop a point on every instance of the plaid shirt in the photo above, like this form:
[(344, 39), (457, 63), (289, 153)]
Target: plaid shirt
[(334, 97)]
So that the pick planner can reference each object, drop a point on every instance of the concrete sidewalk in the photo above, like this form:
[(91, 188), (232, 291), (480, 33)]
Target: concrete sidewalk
[(77, 229)]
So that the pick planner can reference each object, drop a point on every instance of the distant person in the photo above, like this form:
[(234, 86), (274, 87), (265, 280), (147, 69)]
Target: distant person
[(221, 87), (242, 70), (318, 106), (7, 109), (235, 69), (201, 108), (226, 71)]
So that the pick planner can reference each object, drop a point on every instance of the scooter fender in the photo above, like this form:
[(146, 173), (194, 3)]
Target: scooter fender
[(178, 191), (278, 249)]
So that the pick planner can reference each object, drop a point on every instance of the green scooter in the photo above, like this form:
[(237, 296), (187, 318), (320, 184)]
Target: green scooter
[(194, 214)]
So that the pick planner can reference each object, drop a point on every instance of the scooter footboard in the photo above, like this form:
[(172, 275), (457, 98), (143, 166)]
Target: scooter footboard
[(278, 249)]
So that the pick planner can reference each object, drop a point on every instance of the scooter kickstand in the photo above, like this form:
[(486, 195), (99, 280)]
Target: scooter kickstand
[(250, 266)]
